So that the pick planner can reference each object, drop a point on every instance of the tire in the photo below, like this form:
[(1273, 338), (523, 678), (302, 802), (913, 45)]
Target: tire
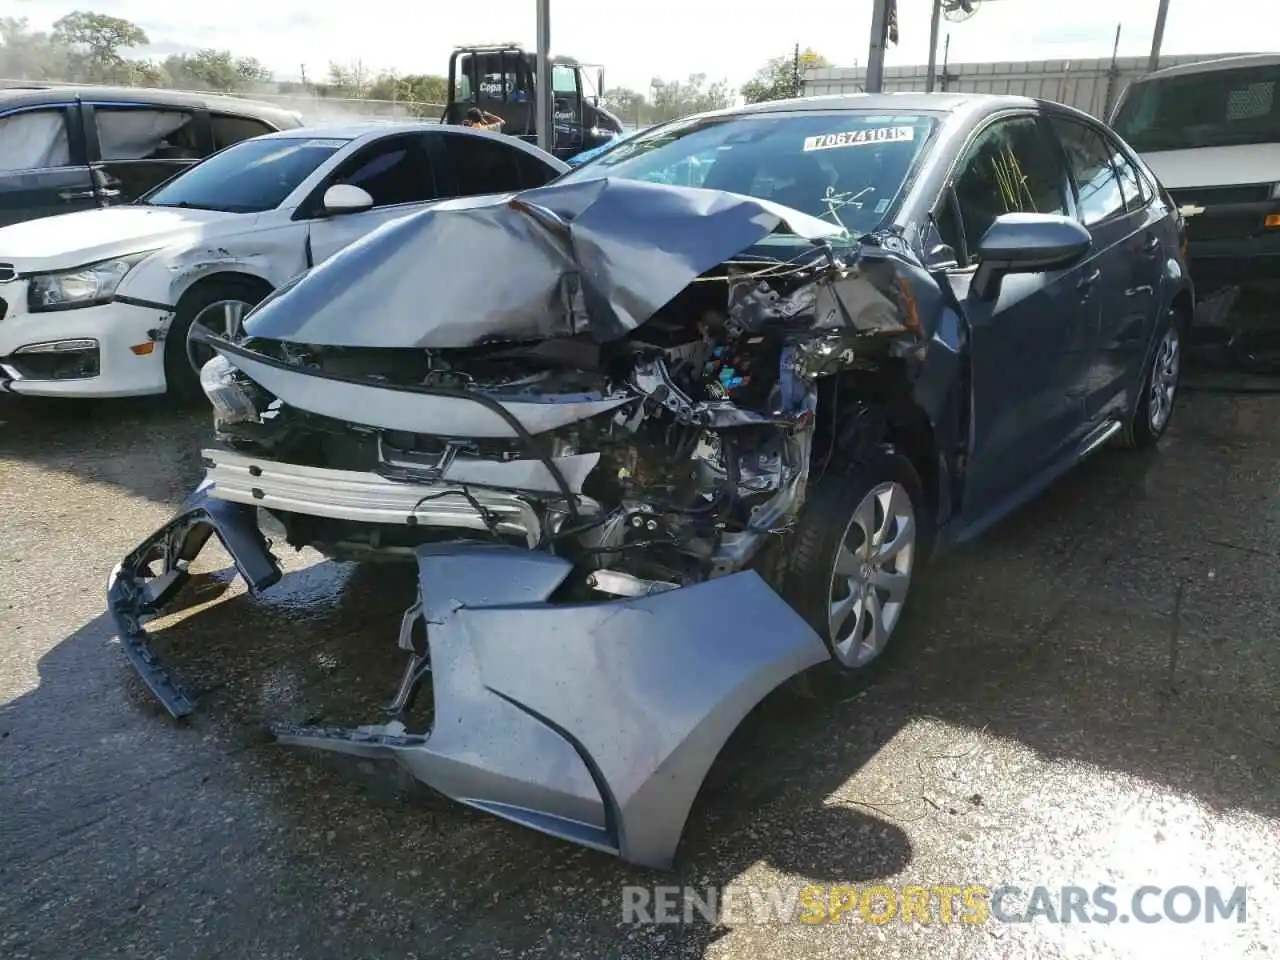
[(827, 562), (1158, 394), (202, 302)]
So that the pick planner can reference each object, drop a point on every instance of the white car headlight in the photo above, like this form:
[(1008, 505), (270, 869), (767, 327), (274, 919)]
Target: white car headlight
[(1275, 191), (82, 287)]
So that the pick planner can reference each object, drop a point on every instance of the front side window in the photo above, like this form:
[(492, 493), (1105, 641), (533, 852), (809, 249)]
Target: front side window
[(846, 167), (34, 140), (1012, 167), (1217, 108), (392, 171), (129, 133), (564, 81), (1098, 191), (250, 177)]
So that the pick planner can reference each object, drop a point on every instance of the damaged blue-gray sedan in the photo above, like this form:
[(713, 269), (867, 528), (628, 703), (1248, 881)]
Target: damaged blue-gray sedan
[(686, 422)]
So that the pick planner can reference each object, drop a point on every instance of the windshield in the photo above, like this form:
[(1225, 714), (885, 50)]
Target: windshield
[(847, 168), (250, 177), (1219, 109)]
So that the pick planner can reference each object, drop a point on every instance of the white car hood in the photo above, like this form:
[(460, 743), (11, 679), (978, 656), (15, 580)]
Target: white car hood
[(87, 236), (1216, 166)]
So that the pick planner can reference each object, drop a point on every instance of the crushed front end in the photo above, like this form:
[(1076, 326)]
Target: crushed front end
[(591, 472)]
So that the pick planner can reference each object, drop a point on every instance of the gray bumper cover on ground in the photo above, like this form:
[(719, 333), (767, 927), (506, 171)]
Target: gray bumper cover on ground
[(593, 722)]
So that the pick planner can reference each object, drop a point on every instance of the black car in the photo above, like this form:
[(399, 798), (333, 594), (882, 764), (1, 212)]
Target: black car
[(680, 424), (70, 148)]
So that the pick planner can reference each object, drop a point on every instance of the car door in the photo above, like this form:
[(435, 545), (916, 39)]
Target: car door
[(1116, 208), (139, 146), (471, 165), (43, 170), (1027, 346), (395, 170)]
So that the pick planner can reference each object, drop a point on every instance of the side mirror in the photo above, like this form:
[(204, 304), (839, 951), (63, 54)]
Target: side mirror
[(1027, 243), (345, 198)]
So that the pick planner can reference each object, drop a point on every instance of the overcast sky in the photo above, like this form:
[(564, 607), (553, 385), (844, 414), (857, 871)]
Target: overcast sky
[(640, 39)]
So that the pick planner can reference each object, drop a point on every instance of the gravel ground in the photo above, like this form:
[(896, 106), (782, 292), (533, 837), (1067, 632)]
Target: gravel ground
[(1086, 697)]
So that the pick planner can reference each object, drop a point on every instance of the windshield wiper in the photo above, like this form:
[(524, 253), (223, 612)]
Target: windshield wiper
[(185, 205)]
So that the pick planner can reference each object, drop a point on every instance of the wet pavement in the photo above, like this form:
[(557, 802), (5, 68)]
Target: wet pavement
[(1088, 696)]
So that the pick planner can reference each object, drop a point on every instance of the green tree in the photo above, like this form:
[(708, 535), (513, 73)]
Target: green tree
[(346, 80), (100, 38), (677, 98), (423, 94), (631, 106), (216, 70), (777, 79), (26, 54)]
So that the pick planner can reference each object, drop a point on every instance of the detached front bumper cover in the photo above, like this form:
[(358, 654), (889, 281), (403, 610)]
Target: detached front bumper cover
[(593, 722)]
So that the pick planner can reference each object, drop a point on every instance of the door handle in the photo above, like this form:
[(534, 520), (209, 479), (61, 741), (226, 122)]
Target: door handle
[(1151, 245), (76, 195), (1086, 283)]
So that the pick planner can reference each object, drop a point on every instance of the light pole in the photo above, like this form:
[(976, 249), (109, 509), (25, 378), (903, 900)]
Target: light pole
[(546, 105), (932, 76), (879, 37), (1162, 14)]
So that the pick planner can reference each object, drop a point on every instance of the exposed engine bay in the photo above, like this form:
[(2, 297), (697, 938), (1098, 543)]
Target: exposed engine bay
[(704, 453), (590, 456)]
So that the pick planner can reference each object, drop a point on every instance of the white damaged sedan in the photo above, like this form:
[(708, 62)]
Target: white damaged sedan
[(101, 303)]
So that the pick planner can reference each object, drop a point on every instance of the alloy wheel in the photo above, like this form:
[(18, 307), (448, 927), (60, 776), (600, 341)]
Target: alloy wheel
[(872, 574), (222, 318), (1164, 380)]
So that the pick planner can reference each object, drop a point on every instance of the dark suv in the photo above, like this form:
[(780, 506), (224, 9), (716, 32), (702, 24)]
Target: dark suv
[(68, 148)]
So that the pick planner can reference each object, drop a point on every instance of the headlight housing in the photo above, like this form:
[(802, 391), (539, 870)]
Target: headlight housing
[(231, 402), (86, 286)]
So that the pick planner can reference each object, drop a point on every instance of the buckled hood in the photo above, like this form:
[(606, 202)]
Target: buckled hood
[(599, 256)]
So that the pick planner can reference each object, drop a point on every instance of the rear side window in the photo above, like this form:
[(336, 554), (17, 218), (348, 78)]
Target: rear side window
[(1131, 186), (1097, 187), (142, 133), (533, 172), (34, 140), (480, 165), (228, 129)]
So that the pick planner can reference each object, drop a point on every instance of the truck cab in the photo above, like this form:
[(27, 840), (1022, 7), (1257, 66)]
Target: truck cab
[(501, 80)]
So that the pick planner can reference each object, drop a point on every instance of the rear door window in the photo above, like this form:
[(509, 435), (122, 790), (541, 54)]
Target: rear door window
[(34, 140), (480, 165), (1098, 190), (228, 129), (145, 133)]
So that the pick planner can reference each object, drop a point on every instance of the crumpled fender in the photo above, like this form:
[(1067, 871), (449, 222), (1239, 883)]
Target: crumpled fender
[(133, 594)]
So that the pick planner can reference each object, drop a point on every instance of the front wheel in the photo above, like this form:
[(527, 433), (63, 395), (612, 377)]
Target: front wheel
[(853, 556), (218, 306)]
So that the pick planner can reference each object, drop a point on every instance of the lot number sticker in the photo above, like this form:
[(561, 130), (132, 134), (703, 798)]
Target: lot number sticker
[(857, 138)]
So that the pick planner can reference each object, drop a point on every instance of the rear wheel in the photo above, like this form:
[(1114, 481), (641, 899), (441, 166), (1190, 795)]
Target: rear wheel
[(854, 554), (217, 306), (1159, 390)]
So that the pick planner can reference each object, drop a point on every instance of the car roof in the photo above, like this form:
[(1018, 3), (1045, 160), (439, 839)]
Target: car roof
[(1212, 66), (371, 130), (908, 101), (34, 94), (356, 129)]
